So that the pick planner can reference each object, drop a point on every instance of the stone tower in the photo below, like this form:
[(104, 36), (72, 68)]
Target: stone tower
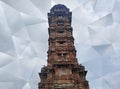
[(62, 70)]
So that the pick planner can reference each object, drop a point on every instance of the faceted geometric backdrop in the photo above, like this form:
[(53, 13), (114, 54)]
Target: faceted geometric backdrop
[(24, 41)]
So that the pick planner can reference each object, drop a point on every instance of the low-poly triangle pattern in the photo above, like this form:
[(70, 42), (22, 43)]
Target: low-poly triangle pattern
[(24, 41)]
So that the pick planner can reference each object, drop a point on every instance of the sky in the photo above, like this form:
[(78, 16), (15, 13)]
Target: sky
[(24, 41)]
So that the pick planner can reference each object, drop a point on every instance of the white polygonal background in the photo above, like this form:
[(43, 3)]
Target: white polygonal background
[(24, 41)]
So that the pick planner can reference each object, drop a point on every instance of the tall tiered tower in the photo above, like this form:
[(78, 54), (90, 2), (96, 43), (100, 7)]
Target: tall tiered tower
[(62, 70)]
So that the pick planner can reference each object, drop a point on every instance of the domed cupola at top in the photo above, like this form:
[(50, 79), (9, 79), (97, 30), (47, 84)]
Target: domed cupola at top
[(59, 14), (59, 8)]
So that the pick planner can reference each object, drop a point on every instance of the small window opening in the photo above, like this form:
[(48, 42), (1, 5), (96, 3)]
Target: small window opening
[(61, 42), (59, 54), (60, 23), (62, 54), (60, 31), (60, 16)]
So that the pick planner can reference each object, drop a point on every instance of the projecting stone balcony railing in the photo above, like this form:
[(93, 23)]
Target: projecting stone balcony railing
[(64, 62), (61, 18), (62, 36), (59, 35), (61, 48), (65, 48), (64, 77)]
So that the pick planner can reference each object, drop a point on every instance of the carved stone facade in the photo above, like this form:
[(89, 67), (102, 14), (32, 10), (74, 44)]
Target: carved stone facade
[(62, 70)]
